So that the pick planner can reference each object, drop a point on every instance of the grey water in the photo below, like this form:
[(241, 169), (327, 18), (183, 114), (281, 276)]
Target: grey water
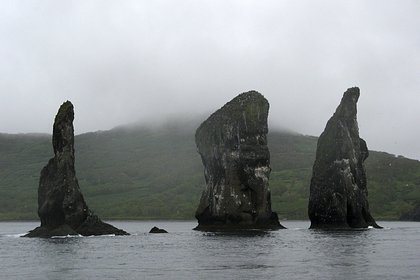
[(293, 253)]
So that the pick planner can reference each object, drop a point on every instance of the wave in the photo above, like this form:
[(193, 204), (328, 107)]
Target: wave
[(67, 236), (16, 235)]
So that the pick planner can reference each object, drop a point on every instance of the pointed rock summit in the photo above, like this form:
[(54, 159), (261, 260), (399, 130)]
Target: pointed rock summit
[(232, 144), (61, 206), (338, 192)]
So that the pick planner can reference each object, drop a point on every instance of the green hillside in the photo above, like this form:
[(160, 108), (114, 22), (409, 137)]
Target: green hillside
[(142, 173)]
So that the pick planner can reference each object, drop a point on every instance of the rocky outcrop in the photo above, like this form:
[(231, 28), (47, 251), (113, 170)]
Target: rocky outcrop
[(157, 230), (412, 215), (61, 206), (338, 192), (232, 143)]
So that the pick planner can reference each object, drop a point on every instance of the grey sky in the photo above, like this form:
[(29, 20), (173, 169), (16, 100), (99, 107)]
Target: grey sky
[(122, 61)]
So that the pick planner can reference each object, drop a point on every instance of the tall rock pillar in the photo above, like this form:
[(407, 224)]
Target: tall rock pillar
[(232, 144), (61, 206), (338, 191)]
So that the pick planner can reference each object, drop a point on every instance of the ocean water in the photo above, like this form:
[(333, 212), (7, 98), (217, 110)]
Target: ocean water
[(293, 253)]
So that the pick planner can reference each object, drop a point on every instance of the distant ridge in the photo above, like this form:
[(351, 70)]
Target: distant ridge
[(143, 172), (33, 134)]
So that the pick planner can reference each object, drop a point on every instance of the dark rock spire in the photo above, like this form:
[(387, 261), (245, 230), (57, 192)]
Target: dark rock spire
[(338, 192), (61, 206), (232, 143)]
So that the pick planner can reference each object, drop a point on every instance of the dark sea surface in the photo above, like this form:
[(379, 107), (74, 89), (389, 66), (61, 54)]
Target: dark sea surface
[(293, 253)]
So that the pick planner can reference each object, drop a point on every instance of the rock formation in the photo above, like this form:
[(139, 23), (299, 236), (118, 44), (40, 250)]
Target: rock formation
[(338, 192), (232, 143), (61, 206)]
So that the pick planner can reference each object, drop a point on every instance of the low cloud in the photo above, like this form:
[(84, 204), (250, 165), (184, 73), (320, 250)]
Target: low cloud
[(120, 62)]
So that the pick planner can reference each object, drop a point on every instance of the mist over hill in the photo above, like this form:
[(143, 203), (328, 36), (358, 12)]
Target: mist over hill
[(154, 171)]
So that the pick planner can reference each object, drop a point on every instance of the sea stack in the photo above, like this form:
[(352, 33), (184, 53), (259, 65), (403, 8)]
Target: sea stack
[(338, 192), (61, 206), (232, 144)]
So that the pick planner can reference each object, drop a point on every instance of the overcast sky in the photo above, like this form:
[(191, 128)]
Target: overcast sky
[(123, 61)]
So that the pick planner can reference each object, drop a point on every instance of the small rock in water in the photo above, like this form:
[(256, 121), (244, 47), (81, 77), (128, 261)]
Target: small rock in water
[(157, 230)]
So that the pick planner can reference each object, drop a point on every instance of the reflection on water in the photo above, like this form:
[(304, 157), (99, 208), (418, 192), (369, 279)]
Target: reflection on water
[(56, 255), (244, 233), (239, 254), (294, 253), (343, 254)]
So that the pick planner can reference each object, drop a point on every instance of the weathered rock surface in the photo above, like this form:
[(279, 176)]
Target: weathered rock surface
[(232, 143), (338, 192), (61, 206), (157, 230), (412, 215)]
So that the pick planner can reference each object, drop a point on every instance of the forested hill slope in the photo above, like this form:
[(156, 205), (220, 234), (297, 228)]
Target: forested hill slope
[(141, 173)]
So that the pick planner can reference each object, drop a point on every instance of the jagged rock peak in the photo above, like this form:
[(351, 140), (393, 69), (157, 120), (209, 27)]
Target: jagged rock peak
[(338, 191), (61, 206), (243, 120), (63, 131), (232, 144), (348, 104)]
